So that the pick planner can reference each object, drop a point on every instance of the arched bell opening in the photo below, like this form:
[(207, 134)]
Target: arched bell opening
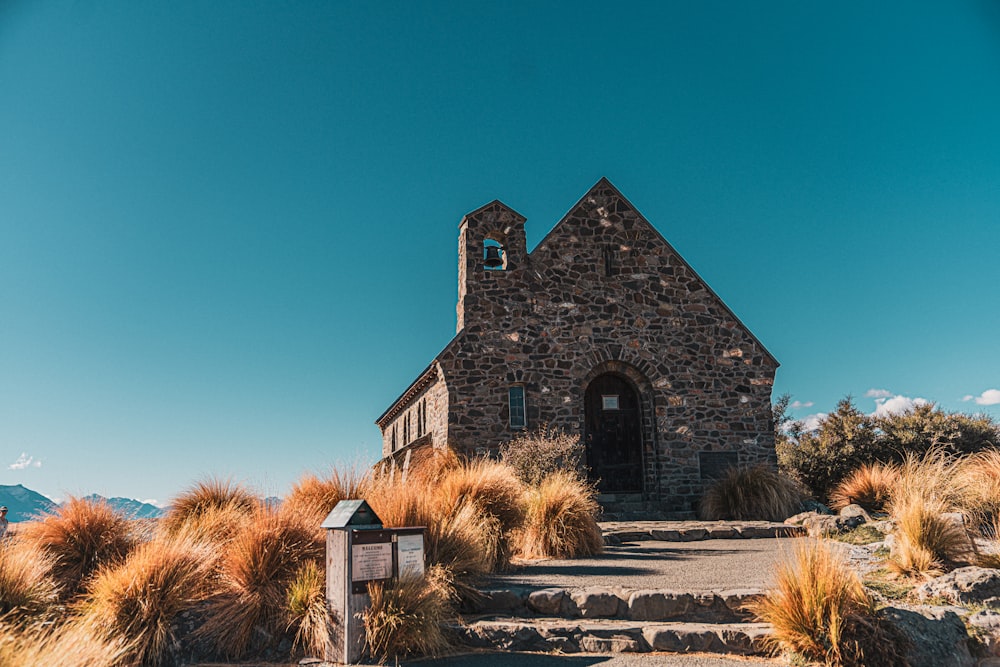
[(613, 434), (494, 255)]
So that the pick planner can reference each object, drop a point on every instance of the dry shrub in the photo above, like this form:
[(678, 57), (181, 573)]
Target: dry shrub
[(315, 497), (72, 644), (537, 454), (81, 536), (870, 486), (27, 588), (561, 519), (137, 601), (928, 540), (820, 610), (758, 492), (215, 504), (406, 616), (308, 613), (258, 565)]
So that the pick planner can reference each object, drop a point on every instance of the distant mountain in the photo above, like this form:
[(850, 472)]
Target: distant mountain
[(24, 504), (131, 508)]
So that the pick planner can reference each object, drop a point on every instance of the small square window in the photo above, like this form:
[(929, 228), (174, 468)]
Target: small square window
[(515, 399), (609, 402)]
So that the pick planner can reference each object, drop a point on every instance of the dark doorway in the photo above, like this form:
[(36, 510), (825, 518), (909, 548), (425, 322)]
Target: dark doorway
[(613, 434)]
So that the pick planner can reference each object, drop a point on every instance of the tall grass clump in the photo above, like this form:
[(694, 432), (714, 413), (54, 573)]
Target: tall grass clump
[(81, 536), (315, 496), (136, 602), (561, 521), (216, 508), (870, 486), (406, 615), (258, 565), (308, 613), (758, 492), (820, 610), (27, 589), (72, 644), (536, 454), (979, 479)]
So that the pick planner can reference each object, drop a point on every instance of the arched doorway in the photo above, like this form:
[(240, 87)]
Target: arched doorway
[(613, 434)]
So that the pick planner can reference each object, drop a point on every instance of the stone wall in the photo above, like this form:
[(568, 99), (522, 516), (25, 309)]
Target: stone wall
[(426, 399)]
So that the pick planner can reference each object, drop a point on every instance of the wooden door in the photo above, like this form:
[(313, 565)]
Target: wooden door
[(614, 434)]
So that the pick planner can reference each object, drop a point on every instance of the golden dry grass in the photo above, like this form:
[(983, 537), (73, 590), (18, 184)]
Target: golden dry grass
[(758, 492), (561, 519), (820, 610), (928, 539), (27, 588), (81, 536), (978, 476), (73, 644), (137, 601), (406, 616), (314, 496), (220, 504), (255, 570), (870, 486), (308, 614)]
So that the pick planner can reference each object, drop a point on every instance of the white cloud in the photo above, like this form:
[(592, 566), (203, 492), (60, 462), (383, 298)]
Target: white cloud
[(24, 461), (896, 405), (799, 404), (988, 397), (812, 422), (878, 393)]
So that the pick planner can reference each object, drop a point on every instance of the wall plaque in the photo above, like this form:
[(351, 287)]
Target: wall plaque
[(371, 562), (410, 552)]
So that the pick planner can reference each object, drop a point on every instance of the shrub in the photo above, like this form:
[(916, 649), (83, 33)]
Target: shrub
[(73, 644), (221, 503), (315, 497), (307, 610), (759, 492), (869, 486), (820, 610), (561, 519), (406, 615), (536, 454), (137, 601), (27, 588), (80, 536), (258, 565)]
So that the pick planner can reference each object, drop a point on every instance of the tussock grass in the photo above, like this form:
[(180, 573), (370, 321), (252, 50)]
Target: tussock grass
[(406, 616), (820, 610), (870, 486), (308, 613), (758, 492), (927, 539), (978, 477), (216, 507), (315, 497), (255, 571), (561, 519), (73, 644), (81, 536), (27, 588), (135, 603)]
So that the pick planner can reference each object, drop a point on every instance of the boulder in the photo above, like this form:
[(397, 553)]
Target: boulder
[(977, 585), (855, 510), (986, 627), (936, 636)]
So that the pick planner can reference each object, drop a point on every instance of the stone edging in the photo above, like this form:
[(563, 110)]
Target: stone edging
[(617, 532)]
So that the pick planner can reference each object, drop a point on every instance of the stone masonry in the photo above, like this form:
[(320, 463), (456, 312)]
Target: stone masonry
[(603, 298)]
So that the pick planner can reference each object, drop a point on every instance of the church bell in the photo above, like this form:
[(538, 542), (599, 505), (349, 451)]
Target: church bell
[(494, 259)]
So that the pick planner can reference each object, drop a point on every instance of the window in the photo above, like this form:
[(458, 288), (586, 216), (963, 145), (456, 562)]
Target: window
[(609, 402), (515, 398), (406, 429), (394, 446)]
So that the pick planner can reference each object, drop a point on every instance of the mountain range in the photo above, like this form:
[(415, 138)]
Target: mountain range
[(23, 504)]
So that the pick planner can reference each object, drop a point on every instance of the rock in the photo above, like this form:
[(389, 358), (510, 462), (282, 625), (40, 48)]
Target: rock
[(597, 603), (811, 505), (937, 636), (965, 585), (547, 601), (855, 510), (986, 624), (798, 519), (657, 605)]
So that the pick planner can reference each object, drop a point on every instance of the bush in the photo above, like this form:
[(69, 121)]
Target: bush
[(136, 602), (219, 504), (536, 454), (561, 519), (759, 492), (870, 486), (820, 610), (315, 497), (27, 588), (80, 536), (406, 616)]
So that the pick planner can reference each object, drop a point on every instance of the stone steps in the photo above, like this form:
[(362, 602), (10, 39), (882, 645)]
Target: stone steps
[(614, 636), (693, 531)]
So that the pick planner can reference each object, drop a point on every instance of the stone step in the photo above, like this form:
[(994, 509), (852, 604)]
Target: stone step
[(615, 603), (693, 531), (615, 636)]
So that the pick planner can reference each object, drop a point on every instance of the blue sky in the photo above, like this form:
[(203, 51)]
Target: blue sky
[(228, 229)]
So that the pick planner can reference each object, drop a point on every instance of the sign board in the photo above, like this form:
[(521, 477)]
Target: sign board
[(371, 562), (410, 553)]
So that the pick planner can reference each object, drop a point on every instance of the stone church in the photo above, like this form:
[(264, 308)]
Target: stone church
[(603, 330)]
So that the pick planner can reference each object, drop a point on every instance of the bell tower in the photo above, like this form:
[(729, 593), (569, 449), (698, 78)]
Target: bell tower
[(492, 254)]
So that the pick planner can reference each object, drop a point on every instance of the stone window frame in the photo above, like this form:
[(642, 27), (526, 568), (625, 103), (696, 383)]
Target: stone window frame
[(522, 423)]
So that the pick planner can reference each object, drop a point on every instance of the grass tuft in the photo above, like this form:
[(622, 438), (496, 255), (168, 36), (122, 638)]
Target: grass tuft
[(27, 588), (406, 616), (561, 519), (308, 613), (870, 486), (73, 644), (758, 492), (215, 508), (927, 539), (315, 497), (81, 536)]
